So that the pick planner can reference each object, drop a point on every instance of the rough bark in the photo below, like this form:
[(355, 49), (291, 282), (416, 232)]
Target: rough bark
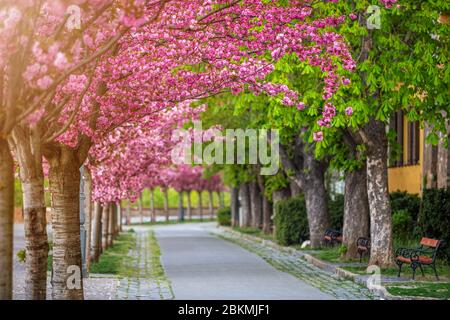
[(295, 189), (97, 230), (267, 209), (280, 195), (128, 213), (152, 205), (356, 210), (140, 208), (374, 135), (88, 214), (111, 223), (234, 202), (105, 226), (255, 205), (189, 205), (245, 218), (166, 204), (64, 177), (200, 204), (316, 205), (356, 203), (180, 206), (6, 221), (27, 148), (211, 204), (309, 174), (119, 214), (36, 243)]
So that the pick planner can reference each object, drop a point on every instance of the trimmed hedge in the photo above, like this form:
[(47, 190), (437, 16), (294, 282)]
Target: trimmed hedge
[(224, 216), (291, 222), (405, 201), (336, 210), (434, 219)]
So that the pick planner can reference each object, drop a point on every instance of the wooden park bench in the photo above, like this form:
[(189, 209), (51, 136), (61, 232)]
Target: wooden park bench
[(363, 247), (425, 255), (332, 237)]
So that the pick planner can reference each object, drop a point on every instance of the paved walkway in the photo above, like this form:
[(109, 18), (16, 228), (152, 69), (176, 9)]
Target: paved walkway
[(203, 266), (143, 282), (294, 263)]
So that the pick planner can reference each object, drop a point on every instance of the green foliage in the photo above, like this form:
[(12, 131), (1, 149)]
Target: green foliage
[(427, 289), (402, 224), (224, 216), (435, 216), (336, 211), (343, 249), (112, 260), (405, 201), (21, 255), (291, 223)]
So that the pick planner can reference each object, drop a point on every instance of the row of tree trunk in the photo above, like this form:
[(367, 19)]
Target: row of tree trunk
[(182, 214)]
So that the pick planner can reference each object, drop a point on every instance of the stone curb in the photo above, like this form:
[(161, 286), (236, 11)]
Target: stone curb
[(341, 273)]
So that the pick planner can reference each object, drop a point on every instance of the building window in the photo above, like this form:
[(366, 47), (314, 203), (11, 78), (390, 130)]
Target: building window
[(397, 126), (407, 150), (413, 142)]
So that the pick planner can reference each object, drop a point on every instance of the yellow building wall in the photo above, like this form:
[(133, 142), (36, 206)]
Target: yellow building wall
[(407, 178)]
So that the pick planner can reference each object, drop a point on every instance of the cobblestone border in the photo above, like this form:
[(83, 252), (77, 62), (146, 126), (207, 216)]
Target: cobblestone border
[(333, 269)]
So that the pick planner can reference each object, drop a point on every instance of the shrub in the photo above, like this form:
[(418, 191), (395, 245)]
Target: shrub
[(224, 216), (434, 219), (405, 201), (291, 223), (336, 211), (402, 224)]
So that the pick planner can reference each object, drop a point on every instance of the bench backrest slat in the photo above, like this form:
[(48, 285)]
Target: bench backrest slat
[(429, 242)]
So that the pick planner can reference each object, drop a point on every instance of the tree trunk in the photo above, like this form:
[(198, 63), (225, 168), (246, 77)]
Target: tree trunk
[(356, 210), (245, 218), (211, 204), (152, 206), (88, 214), (105, 226), (200, 205), (189, 206), (97, 231), (234, 207), (111, 225), (375, 138), (256, 205), (267, 215), (140, 208), (6, 221), (27, 148), (180, 206), (221, 200), (128, 213), (36, 242), (64, 177), (317, 209), (166, 204), (119, 214), (295, 189)]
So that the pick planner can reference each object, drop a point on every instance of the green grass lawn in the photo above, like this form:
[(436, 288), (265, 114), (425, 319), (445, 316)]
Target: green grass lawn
[(112, 260), (421, 289), (255, 232), (442, 269), (173, 222)]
